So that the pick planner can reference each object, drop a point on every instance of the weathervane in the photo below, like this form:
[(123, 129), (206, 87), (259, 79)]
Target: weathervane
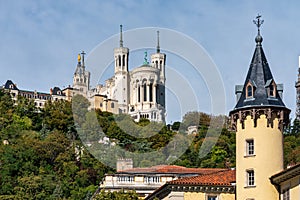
[(258, 22)]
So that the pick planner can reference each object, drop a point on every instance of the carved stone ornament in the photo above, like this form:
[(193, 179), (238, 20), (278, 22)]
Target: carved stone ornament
[(282, 114)]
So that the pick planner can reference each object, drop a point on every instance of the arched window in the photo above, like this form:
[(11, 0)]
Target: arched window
[(145, 92), (112, 105), (119, 60), (150, 92), (123, 63), (139, 94), (249, 91), (271, 90)]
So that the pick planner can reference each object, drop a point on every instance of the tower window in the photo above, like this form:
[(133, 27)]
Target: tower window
[(286, 194), (249, 91), (272, 90), (250, 178), (211, 197), (123, 61), (112, 105), (119, 60), (250, 147)]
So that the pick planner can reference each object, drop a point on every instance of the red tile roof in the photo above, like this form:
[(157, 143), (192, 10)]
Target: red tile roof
[(225, 178), (173, 169)]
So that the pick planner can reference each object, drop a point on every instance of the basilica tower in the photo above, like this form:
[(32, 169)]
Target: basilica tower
[(81, 78), (122, 79), (158, 61), (258, 119)]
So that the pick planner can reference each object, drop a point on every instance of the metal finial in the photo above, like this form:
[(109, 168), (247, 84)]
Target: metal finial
[(145, 59), (258, 22), (82, 53), (158, 47), (121, 36)]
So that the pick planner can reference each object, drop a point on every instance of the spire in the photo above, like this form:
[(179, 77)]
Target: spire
[(121, 36), (260, 78), (258, 22), (157, 47), (82, 55)]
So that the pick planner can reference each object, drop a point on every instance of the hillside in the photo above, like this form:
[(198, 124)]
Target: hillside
[(42, 156)]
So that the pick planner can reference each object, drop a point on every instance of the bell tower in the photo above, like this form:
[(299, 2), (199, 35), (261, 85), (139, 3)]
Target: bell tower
[(158, 60), (122, 79), (81, 78), (258, 119)]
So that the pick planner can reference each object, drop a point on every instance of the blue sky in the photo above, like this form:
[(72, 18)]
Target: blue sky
[(40, 39)]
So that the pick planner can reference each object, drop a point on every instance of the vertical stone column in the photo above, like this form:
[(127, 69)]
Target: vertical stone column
[(148, 91), (154, 94), (142, 93)]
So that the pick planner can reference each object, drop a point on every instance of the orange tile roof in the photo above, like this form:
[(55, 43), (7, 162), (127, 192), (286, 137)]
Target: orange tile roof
[(225, 178), (173, 169)]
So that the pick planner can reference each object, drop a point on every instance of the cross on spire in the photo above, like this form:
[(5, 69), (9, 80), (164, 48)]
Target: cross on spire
[(82, 55), (258, 22)]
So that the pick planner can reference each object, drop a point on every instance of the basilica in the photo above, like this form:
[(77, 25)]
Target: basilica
[(139, 93)]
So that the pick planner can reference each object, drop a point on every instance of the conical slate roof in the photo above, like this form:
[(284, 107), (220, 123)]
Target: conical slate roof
[(260, 77)]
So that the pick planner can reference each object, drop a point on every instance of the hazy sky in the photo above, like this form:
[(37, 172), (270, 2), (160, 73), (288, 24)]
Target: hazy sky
[(40, 39)]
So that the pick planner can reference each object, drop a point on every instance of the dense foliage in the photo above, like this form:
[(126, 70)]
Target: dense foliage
[(120, 195), (43, 156)]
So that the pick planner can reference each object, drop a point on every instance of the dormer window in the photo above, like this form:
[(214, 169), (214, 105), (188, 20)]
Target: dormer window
[(249, 90), (271, 88)]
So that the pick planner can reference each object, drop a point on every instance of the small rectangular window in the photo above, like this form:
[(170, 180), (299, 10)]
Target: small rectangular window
[(211, 197), (249, 147), (286, 194), (250, 178)]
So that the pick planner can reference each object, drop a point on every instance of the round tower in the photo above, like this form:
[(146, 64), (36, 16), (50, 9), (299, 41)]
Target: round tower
[(258, 119)]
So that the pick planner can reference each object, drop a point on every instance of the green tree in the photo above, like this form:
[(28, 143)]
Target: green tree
[(119, 195)]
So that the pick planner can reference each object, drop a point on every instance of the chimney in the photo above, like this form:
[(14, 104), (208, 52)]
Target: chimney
[(124, 164), (238, 92)]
